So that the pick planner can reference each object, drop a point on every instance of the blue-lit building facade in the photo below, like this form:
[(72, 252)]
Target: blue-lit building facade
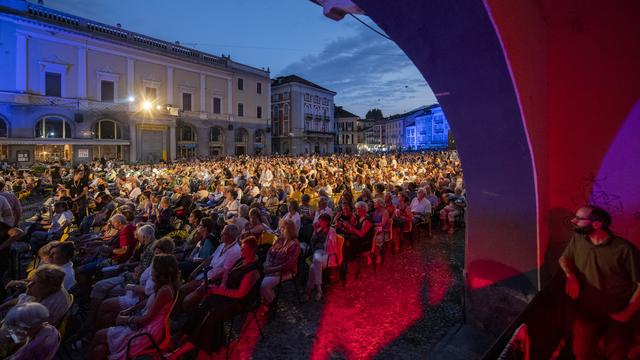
[(425, 128)]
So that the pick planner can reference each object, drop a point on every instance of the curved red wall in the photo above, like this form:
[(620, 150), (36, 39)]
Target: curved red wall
[(545, 105)]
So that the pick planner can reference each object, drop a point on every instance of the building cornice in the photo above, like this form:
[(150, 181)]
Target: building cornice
[(129, 46)]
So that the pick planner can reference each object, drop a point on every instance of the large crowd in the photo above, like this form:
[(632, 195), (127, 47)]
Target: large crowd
[(200, 241)]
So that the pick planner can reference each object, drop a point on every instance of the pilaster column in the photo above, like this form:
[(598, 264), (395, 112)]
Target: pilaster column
[(133, 139), (229, 141), (203, 100), (82, 72), (229, 97), (130, 87), (21, 62), (202, 146), (251, 141), (170, 86), (172, 142)]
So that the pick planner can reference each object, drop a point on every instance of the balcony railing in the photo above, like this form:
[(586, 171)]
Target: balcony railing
[(78, 104), (319, 132)]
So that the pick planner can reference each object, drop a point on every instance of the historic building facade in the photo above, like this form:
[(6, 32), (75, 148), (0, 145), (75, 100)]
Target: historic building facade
[(302, 117), (75, 89), (425, 128), (350, 132)]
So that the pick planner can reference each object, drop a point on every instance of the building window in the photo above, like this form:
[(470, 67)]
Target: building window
[(150, 93), (285, 119), (240, 109), (241, 140), (52, 127), (186, 101), (217, 105), (259, 141), (216, 143), (259, 112), (186, 134), (186, 142), (107, 91), (53, 84), (108, 129), (274, 120), (4, 132), (259, 88), (240, 84)]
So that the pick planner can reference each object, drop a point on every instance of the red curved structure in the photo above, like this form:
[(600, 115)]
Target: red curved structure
[(543, 98)]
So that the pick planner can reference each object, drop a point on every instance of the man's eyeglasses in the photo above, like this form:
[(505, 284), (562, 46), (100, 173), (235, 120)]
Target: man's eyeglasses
[(578, 218)]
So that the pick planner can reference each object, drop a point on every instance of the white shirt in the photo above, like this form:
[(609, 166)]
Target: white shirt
[(296, 220), (266, 177), (232, 208), (133, 195), (69, 275), (420, 206), (223, 259), (59, 220)]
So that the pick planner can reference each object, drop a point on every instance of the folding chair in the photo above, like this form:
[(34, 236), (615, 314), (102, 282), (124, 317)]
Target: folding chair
[(388, 244), (339, 259), (154, 350), (425, 223), (362, 257), (405, 235), (267, 238), (252, 309), (291, 280), (63, 329)]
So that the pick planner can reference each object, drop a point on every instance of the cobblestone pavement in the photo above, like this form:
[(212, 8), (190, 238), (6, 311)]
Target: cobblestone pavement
[(400, 312)]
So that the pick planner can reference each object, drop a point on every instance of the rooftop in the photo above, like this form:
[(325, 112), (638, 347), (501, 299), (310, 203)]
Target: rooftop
[(281, 80), (425, 109), (342, 113), (116, 34)]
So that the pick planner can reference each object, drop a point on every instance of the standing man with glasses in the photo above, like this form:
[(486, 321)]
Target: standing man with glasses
[(603, 278)]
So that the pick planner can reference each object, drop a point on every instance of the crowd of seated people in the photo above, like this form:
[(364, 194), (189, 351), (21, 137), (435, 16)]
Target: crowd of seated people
[(140, 242)]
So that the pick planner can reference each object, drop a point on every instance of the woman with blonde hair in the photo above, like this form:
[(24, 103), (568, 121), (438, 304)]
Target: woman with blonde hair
[(282, 261)]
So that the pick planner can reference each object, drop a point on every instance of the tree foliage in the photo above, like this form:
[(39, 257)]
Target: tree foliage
[(374, 114)]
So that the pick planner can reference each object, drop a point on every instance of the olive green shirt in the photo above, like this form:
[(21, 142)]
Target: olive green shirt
[(608, 272)]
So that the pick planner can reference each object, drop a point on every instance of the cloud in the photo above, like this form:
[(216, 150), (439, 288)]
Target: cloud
[(366, 70)]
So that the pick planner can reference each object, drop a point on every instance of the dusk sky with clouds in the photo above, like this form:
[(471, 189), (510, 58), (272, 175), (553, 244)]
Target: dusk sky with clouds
[(288, 36)]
